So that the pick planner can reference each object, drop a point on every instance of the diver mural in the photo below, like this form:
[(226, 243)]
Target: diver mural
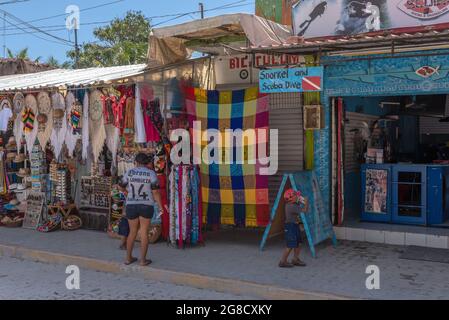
[(320, 18)]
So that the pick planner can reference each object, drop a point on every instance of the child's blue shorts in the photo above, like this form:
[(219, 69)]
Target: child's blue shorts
[(292, 235)]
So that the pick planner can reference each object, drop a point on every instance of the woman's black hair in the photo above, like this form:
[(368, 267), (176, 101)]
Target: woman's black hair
[(142, 159)]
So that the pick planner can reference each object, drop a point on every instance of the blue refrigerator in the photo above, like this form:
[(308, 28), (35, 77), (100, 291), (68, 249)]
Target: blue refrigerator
[(405, 194)]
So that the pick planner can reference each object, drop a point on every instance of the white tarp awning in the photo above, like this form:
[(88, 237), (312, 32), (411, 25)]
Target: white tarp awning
[(170, 44), (64, 78)]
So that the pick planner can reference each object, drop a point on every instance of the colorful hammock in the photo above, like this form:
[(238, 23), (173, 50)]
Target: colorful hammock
[(232, 194)]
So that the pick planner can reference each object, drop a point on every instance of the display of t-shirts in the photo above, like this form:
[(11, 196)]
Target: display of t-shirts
[(5, 116), (140, 183)]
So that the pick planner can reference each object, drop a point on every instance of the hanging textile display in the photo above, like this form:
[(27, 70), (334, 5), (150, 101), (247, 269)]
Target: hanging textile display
[(18, 104), (185, 215), (30, 126), (146, 93), (73, 118), (113, 142), (5, 114), (128, 129), (234, 194), (85, 127), (44, 118), (97, 130), (139, 125), (59, 123)]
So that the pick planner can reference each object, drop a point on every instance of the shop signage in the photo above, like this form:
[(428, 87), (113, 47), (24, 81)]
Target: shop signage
[(244, 69), (320, 18), (291, 80), (393, 76)]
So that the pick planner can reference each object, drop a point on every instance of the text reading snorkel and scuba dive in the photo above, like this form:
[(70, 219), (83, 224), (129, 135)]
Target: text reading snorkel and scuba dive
[(291, 80)]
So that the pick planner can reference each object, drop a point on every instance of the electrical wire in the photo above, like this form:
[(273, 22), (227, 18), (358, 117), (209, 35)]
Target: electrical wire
[(65, 42), (224, 7), (176, 15), (82, 10), (13, 2)]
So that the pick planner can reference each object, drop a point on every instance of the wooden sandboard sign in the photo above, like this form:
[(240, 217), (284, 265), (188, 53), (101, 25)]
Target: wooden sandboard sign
[(35, 205)]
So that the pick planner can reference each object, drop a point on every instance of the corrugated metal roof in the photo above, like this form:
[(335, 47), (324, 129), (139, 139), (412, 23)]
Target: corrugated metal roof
[(401, 37), (62, 78)]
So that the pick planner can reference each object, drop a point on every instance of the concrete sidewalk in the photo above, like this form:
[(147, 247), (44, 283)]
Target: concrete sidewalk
[(231, 262)]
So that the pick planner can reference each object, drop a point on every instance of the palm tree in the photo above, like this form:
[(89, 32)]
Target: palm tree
[(53, 62), (22, 54)]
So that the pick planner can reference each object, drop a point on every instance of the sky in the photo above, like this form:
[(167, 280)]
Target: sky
[(16, 36)]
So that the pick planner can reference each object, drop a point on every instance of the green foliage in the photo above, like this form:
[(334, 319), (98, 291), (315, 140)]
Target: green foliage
[(53, 62), (22, 54), (122, 42)]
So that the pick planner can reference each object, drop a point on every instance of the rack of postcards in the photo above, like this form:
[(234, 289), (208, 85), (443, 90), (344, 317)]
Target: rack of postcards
[(61, 183), (95, 201)]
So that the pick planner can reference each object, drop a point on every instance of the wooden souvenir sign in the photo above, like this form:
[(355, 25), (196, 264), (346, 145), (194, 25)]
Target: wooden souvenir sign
[(35, 205)]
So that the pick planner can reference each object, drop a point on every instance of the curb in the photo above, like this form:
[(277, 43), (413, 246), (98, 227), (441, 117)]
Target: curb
[(236, 287)]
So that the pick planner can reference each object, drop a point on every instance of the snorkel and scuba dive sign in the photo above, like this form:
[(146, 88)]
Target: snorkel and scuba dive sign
[(291, 80)]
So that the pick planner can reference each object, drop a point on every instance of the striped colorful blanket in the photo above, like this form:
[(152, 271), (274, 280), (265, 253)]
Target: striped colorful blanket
[(233, 193)]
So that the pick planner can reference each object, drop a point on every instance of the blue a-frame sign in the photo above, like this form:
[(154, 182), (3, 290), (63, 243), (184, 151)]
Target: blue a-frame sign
[(317, 223)]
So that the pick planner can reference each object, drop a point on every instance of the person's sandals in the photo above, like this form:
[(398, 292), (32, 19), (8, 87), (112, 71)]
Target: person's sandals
[(129, 262), (298, 263), (146, 263), (285, 265)]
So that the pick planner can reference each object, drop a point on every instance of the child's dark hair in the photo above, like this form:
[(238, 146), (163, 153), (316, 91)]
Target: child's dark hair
[(142, 159)]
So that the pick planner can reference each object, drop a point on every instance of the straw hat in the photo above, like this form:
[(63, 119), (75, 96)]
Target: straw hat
[(24, 172), (11, 143), (19, 158), (11, 155), (14, 202)]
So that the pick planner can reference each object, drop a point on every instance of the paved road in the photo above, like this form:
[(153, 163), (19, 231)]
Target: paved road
[(21, 279)]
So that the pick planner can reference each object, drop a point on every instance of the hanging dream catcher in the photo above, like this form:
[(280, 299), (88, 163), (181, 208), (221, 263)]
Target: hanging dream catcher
[(96, 124), (44, 118), (5, 103), (59, 124), (18, 102), (18, 105)]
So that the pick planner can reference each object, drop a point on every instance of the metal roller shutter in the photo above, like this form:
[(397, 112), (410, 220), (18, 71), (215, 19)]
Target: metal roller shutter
[(286, 115)]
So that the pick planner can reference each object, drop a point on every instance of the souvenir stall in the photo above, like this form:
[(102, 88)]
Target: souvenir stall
[(64, 145)]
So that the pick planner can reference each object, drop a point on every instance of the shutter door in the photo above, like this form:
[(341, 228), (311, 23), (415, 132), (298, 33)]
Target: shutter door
[(286, 115)]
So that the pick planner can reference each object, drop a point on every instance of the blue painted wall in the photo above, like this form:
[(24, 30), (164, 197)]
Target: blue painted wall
[(374, 76)]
